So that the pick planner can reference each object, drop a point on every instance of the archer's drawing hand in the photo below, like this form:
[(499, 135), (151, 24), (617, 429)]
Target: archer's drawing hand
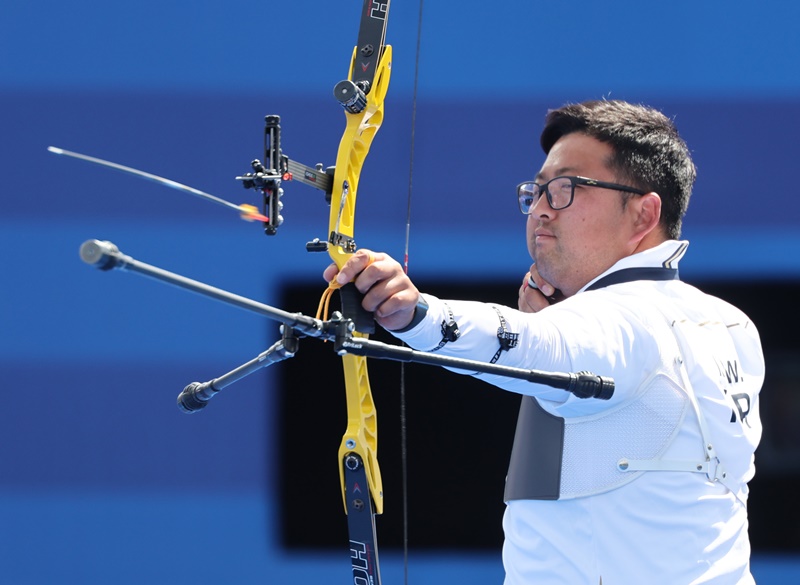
[(387, 290), (536, 293)]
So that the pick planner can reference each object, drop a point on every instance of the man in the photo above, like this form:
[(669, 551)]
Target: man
[(649, 486)]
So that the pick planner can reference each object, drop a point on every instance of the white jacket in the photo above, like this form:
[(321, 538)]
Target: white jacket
[(652, 484)]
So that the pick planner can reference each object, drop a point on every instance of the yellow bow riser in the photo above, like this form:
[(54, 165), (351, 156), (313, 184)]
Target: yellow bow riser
[(361, 434)]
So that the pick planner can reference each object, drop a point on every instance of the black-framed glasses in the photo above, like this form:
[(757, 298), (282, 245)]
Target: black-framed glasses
[(560, 191)]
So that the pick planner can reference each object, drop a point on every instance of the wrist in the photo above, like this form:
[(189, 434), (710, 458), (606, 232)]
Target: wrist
[(420, 310)]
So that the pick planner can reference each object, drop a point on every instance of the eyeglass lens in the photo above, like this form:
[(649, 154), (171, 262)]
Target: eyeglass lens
[(559, 191)]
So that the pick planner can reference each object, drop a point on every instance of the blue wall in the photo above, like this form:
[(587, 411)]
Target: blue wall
[(101, 478)]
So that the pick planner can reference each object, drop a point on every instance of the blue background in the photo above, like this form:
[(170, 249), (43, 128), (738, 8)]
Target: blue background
[(101, 478)]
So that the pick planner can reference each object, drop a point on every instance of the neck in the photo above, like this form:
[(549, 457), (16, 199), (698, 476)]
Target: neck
[(651, 240)]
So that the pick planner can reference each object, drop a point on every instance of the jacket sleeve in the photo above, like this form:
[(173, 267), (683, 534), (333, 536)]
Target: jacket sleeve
[(588, 332)]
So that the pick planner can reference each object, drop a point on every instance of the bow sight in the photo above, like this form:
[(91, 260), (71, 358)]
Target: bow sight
[(267, 177)]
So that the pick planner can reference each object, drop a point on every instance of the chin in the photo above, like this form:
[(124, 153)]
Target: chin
[(548, 269)]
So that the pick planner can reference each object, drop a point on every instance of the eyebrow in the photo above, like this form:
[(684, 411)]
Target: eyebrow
[(558, 173)]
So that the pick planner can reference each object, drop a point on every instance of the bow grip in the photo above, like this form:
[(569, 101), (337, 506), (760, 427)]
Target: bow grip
[(351, 299)]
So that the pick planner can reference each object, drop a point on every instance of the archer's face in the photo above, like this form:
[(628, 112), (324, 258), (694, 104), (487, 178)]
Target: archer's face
[(571, 246)]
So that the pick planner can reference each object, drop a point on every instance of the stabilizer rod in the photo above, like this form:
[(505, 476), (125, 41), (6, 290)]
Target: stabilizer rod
[(197, 394), (105, 255)]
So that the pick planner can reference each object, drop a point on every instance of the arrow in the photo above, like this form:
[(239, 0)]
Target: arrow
[(246, 212)]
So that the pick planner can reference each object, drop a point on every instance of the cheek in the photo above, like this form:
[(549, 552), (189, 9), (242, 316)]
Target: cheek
[(530, 239), (597, 232), (530, 226)]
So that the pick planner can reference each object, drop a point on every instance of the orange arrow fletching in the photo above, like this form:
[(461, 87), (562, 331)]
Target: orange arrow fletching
[(250, 213)]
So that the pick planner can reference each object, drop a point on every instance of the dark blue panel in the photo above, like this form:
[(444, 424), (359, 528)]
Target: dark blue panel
[(468, 157)]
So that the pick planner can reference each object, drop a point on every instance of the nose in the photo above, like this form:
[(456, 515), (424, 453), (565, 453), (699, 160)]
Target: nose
[(541, 208)]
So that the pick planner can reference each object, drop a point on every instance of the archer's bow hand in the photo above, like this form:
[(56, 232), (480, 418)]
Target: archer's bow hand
[(387, 290)]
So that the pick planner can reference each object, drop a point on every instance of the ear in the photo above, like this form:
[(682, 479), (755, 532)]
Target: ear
[(646, 211)]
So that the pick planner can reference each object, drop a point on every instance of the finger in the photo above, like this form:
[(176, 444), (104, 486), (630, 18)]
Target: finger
[(521, 304), (401, 302), (355, 265), (330, 272), (537, 281), (381, 281), (396, 310), (532, 300)]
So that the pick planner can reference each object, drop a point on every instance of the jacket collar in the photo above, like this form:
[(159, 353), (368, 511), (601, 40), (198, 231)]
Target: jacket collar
[(659, 263)]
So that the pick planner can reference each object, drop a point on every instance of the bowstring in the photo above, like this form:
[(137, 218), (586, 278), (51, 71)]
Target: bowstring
[(403, 424)]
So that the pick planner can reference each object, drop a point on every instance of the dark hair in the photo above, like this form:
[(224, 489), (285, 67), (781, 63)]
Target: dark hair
[(648, 151)]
